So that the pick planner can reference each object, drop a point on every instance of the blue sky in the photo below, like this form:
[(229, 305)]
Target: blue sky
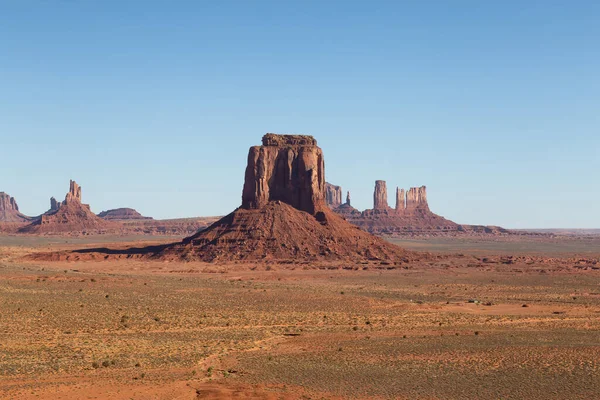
[(495, 106)]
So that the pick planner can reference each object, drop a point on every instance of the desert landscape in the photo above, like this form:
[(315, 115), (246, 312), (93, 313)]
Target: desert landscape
[(291, 297), (299, 200)]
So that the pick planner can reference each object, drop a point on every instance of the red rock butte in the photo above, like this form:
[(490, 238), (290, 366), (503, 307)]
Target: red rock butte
[(9, 210), (69, 216), (411, 215), (283, 215)]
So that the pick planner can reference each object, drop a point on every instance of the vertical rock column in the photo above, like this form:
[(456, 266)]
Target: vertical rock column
[(400, 200), (74, 194), (380, 196)]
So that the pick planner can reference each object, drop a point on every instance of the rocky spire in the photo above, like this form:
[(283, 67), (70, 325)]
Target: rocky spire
[(348, 198), (416, 198), (9, 210), (54, 205), (8, 203), (74, 193), (289, 168), (380, 196), (333, 195), (400, 200)]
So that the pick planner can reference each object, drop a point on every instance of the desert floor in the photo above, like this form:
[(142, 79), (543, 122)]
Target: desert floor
[(456, 328)]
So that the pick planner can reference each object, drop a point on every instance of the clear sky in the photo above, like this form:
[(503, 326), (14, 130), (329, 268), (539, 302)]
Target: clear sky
[(494, 105)]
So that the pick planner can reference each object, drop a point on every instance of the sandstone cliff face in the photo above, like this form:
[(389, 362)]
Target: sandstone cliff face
[(289, 168), (9, 210), (380, 196), (333, 195), (416, 198)]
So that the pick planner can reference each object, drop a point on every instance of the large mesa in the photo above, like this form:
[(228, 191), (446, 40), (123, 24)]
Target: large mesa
[(122, 214)]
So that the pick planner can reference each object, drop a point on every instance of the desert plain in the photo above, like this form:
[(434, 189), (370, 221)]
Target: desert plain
[(475, 319)]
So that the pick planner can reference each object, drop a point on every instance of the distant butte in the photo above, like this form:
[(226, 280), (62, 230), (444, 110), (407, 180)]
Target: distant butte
[(410, 216), (122, 214), (69, 216), (9, 210)]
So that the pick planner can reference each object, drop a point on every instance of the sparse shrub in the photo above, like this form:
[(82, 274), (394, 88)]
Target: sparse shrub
[(105, 363), (476, 333), (95, 365)]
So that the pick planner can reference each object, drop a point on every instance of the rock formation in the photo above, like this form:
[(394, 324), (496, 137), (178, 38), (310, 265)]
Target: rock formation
[(416, 198), (333, 195), (69, 216), (9, 210), (348, 198), (380, 196), (122, 214), (284, 216), (400, 200), (411, 216), (74, 194), (288, 168), (54, 205)]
